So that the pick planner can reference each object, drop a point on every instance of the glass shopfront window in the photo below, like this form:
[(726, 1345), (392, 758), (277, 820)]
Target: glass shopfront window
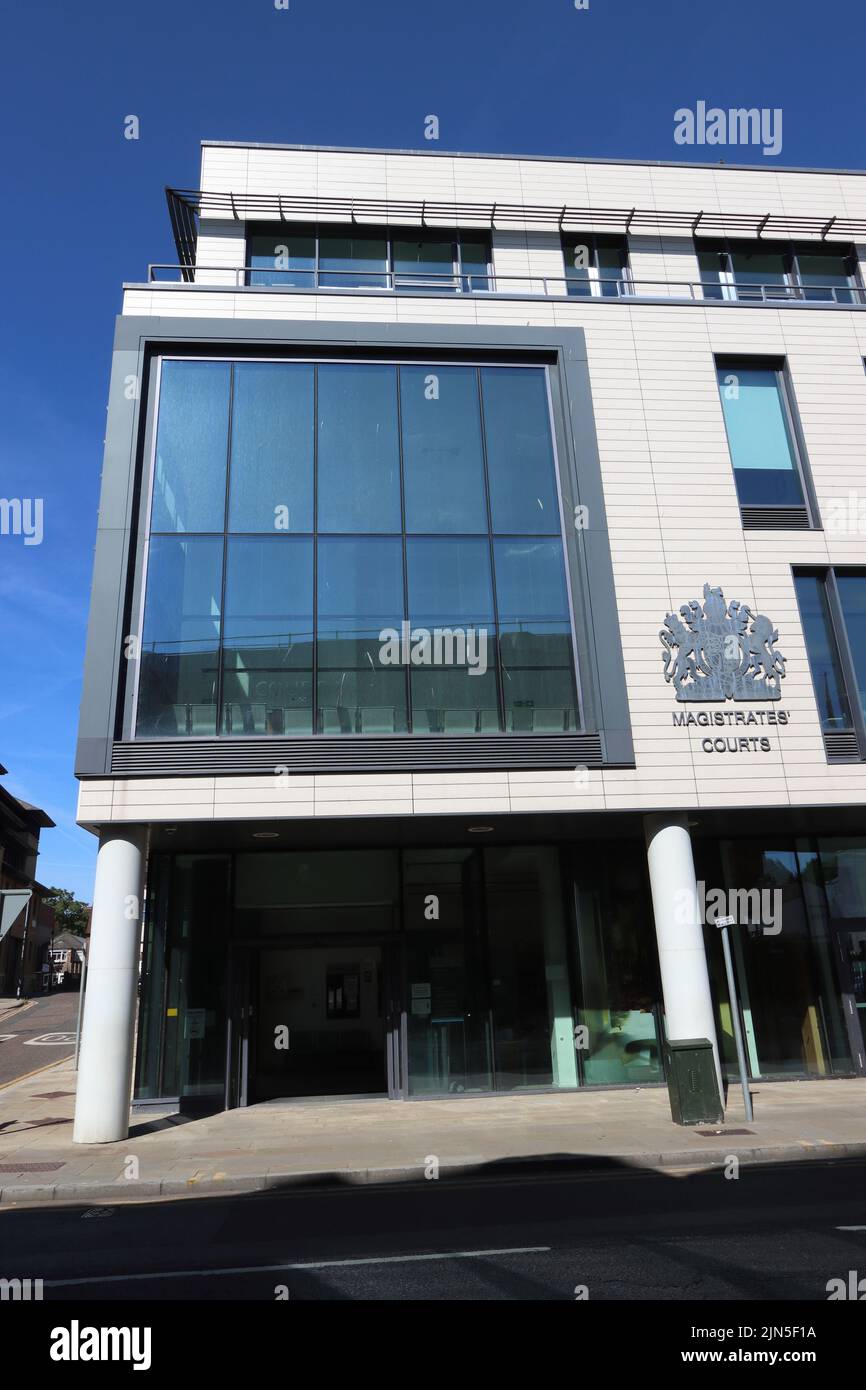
[(367, 548), (184, 978), (783, 957), (619, 990)]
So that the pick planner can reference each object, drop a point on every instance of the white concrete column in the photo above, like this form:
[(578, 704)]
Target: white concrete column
[(105, 1064), (679, 932)]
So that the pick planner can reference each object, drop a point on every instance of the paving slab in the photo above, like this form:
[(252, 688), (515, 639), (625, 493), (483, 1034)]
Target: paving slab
[(294, 1143)]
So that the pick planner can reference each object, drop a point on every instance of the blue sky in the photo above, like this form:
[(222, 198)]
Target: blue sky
[(84, 208)]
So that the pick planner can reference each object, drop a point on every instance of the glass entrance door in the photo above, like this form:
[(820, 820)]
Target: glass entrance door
[(316, 1019), (319, 1023)]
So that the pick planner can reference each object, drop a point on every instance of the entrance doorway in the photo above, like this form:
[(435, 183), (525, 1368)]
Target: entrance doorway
[(316, 1019)]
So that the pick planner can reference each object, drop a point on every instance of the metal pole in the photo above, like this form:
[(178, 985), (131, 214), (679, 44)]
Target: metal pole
[(80, 1006), (735, 1016)]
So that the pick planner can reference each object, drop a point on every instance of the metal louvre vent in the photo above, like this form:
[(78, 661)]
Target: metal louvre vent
[(775, 518), (842, 748), (415, 753)]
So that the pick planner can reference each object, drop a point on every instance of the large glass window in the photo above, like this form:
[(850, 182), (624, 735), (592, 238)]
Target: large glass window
[(180, 643), (851, 585), (268, 636), (372, 258), (595, 264), (823, 648), (190, 466), (789, 998), (833, 612), (282, 257), (778, 270), (520, 460), (272, 448), (358, 448), (383, 554), (760, 435), (442, 452)]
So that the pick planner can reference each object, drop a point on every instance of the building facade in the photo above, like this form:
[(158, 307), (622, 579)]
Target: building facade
[(27, 920), (479, 617)]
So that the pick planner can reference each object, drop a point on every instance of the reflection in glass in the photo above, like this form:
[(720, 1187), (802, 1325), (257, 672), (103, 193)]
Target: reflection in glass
[(826, 277), (282, 257), (519, 451), (359, 448), (272, 447), (191, 442), (352, 262), (533, 1027), (427, 263), (180, 643), (759, 436), (448, 1029), (619, 989), (824, 660), (788, 997), (442, 456), (852, 598), (268, 637)]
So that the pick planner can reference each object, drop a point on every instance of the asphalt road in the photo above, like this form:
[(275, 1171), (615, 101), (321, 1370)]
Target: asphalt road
[(32, 1037), (773, 1233)]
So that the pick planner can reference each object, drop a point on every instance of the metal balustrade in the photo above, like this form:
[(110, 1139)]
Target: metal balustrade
[(601, 289)]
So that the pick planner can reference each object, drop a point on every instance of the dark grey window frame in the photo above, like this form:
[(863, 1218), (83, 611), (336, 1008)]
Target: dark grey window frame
[(774, 517), (389, 235), (837, 746), (105, 746)]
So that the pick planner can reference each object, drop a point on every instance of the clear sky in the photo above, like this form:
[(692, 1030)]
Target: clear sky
[(84, 210)]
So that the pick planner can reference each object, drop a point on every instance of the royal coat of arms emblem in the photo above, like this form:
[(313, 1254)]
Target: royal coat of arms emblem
[(721, 651)]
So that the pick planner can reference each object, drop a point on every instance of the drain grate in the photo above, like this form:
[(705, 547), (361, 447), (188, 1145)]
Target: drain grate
[(30, 1167), (52, 1095), (712, 1133)]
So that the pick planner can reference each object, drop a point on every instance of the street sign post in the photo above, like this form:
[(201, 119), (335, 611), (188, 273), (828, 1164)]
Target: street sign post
[(724, 923)]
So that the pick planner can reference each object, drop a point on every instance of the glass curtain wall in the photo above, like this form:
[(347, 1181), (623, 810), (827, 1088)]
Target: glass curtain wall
[(354, 548)]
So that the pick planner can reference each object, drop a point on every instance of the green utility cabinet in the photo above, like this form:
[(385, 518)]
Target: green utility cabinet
[(693, 1085)]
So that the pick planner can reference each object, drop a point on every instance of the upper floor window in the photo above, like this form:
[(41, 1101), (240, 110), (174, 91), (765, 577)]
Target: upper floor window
[(595, 264), (354, 548), (762, 438), (763, 270), (832, 606), (369, 258)]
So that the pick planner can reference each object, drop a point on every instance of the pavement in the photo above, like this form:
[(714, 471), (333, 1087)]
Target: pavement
[(336, 1142), (37, 1032)]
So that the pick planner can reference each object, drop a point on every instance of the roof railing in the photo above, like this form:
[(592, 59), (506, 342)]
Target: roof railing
[(611, 287)]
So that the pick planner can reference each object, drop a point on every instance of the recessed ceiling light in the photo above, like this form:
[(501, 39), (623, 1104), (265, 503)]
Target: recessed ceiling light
[(480, 829), (266, 834)]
